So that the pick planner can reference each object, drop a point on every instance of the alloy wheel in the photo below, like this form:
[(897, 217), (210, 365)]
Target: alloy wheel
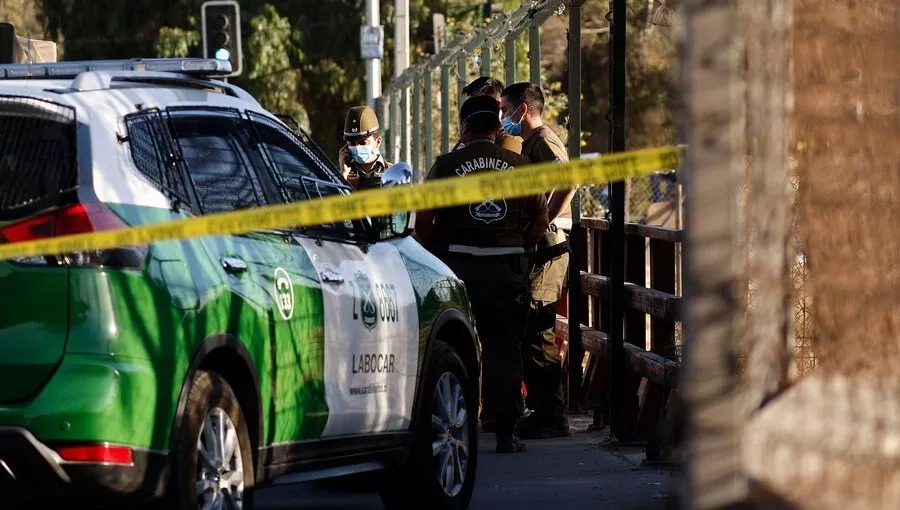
[(450, 443), (220, 468)]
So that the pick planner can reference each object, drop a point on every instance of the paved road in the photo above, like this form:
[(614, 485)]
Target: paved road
[(578, 472)]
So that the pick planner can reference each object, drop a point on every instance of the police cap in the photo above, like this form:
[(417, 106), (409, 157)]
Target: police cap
[(360, 122)]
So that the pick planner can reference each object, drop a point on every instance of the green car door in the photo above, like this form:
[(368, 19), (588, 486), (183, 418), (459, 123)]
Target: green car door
[(274, 300)]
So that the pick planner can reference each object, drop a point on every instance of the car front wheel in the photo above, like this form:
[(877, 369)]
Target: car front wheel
[(212, 460), (441, 471)]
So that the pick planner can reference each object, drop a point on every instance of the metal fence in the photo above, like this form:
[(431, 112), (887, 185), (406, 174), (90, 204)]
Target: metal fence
[(409, 103)]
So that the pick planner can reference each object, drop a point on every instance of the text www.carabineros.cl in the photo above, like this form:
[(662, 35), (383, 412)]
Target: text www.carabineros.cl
[(370, 388)]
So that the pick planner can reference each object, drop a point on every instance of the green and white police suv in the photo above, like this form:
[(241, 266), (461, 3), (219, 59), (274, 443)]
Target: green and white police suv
[(185, 373)]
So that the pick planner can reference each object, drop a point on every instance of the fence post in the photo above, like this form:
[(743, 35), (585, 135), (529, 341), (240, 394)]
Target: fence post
[(534, 53), (575, 354), (445, 109), (461, 76), (509, 58), (429, 126), (486, 55), (381, 113), (404, 123), (416, 128), (617, 143), (395, 125)]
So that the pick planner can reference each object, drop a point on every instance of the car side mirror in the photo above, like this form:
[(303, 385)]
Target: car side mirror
[(398, 223)]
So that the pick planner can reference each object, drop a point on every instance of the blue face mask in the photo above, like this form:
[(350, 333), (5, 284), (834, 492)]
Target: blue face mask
[(513, 128), (363, 153)]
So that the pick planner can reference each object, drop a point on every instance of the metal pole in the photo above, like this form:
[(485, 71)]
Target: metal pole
[(429, 126), (395, 126), (486, 55), (373, 65), (445, 109), (381, 113), (576, 350), (534, 53), (509, 56), (401, 62), (461, 77), (404, 124), (416, 127), (617, 222), (401, 36)]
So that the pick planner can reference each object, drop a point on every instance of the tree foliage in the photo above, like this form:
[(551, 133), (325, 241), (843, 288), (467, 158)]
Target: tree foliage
[(302, 57)]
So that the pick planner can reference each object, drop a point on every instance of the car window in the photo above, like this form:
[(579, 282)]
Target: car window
[(299, 172), (37, 154), (154, 155), (201, 157), (217, 164)]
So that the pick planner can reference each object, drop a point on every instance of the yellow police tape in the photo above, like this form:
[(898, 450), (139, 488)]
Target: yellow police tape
[(530, 180)]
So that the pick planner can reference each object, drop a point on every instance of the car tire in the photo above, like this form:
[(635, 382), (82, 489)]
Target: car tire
[(440, 473), (212, 422)]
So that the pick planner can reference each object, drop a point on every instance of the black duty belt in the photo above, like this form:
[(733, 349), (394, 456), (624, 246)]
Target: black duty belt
[(548, 253)]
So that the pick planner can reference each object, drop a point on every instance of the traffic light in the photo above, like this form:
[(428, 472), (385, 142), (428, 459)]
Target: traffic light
[(221, 21)]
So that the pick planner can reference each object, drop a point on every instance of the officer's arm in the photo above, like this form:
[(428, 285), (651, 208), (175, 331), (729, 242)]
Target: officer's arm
[(424, 228), (540, 220), (558, 199)]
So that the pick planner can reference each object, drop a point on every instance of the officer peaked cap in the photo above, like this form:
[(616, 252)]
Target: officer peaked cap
[(360, 122)]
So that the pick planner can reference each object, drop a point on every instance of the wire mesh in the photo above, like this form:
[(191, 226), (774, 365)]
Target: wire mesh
[(37, 152)]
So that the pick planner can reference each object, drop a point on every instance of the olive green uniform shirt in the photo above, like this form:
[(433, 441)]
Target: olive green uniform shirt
[(544, 146)]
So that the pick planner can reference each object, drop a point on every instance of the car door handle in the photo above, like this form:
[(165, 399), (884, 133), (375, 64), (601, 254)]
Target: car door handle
[(332, 277), (233, 265)]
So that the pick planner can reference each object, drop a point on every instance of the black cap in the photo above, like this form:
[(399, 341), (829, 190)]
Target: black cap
[(478, 105)]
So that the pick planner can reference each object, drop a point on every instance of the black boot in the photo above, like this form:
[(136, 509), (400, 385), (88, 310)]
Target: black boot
[(509, 443), (507, 438)]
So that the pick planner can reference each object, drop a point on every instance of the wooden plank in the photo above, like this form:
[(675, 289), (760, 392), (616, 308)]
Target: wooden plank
[(662, 278), (657, 304), (639, 361), (635, 273), (595, 224), (637, 229), (673, 235)]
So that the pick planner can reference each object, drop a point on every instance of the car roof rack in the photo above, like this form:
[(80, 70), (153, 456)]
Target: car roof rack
[(196, 67)]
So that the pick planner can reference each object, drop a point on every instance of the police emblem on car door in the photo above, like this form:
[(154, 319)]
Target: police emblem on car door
[(371, 336)]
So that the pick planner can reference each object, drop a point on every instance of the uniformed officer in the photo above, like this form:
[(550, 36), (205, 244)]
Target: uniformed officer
[(491, 87), (522, 105), (360, 157), (487, 245)]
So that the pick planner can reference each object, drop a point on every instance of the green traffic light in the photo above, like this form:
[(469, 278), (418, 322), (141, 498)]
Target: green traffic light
[(222, 54)]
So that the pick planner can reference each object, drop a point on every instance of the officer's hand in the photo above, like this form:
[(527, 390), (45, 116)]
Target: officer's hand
[(344, 160)]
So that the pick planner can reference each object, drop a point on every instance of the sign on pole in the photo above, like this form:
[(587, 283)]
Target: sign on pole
[(371, 41)]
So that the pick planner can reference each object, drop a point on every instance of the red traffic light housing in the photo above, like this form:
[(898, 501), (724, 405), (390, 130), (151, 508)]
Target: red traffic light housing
[(221, 20)]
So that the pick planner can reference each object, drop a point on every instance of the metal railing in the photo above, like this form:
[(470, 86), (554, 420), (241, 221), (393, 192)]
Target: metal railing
[(404, 102)]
